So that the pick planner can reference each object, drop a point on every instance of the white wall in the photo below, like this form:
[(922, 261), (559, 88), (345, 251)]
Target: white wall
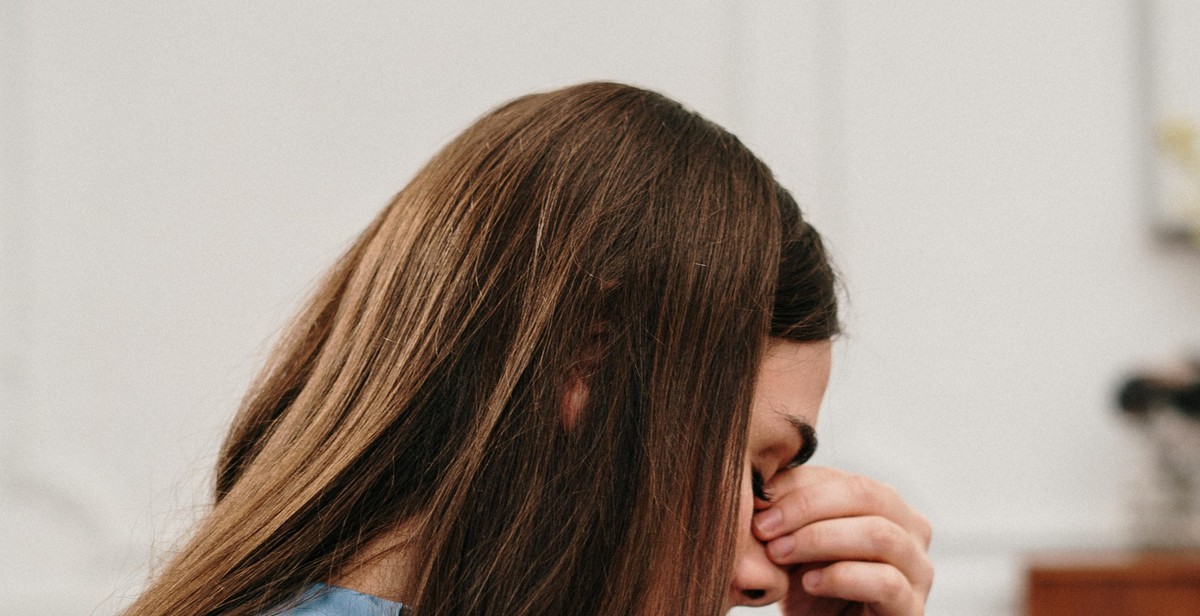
[(175, 175)]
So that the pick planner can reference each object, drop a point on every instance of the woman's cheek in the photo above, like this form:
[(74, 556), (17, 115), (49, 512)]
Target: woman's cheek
[(745, 530), (746, 506)]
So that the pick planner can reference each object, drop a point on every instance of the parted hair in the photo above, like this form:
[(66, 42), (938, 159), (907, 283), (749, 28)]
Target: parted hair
[(599, 232)]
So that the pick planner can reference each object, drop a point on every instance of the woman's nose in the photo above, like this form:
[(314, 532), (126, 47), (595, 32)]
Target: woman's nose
[(757, 580)]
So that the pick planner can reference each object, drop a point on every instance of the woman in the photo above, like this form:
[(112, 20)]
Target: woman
[(572, 368)]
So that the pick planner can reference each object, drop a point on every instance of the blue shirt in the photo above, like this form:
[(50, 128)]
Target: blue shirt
[(326, 600)]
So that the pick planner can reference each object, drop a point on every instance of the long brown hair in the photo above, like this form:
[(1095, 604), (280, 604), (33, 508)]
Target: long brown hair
[(599, 230)]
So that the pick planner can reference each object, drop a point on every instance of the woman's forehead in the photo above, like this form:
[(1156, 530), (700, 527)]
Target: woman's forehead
[(791, 382)]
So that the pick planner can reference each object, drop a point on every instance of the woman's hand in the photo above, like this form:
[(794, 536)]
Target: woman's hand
[(852, 545)]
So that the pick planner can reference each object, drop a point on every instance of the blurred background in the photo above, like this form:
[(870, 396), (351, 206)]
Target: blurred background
[(174, 177)]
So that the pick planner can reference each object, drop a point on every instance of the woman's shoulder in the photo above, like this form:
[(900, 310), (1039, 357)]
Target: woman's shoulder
[(327, 600)]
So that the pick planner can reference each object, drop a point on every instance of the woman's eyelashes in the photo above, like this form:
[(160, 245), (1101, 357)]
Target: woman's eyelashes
[(756, 484)]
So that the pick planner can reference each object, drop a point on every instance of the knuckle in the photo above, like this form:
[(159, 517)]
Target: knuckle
[(887, 494), (802, 506), (893, 587), (867, 492), (881, 537), (927, 584), (817, 470), (924, 530)]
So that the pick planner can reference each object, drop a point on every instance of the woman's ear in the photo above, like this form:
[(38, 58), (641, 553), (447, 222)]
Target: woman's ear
[(574, 399), (577, 389)]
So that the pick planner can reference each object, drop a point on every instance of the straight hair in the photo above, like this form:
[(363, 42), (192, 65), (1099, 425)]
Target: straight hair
[(600, 233)]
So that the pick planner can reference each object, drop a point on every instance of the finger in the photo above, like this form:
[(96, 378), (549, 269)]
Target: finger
[(865, 538), (879, 585), (803, 496)]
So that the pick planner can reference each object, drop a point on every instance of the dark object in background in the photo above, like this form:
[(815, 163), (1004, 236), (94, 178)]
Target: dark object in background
[(1164, 406), (1180, 391)]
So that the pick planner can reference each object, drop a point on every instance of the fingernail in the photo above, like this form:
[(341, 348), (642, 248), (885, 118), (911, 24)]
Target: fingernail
[(782, 546), (768, 520), (812, 580)]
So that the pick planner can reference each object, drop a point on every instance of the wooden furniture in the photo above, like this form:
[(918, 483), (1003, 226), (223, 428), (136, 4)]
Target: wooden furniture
[(1114, 584)]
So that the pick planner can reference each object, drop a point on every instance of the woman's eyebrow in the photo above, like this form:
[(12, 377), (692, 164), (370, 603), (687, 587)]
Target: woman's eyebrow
[(808, 439)]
